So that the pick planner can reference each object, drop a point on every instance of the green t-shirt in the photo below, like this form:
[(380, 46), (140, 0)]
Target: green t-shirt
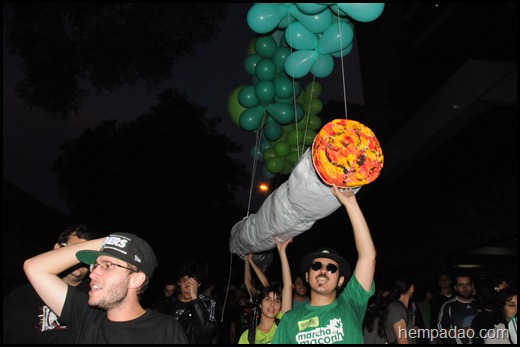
[(261, 338), (339, 322)]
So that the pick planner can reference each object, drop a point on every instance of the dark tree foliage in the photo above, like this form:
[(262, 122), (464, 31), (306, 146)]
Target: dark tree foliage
[(168, 173), (110, 45)]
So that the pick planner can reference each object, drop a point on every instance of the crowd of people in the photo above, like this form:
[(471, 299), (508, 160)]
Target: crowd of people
[(89, 289)]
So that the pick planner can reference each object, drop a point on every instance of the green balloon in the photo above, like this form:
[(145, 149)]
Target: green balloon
[(275, 165), (282, 149), (287, 168), (293, 158), (268, 154), (294, 137), (234, 107)]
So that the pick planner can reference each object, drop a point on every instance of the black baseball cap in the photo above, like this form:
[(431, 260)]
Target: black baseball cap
[(127, 247)]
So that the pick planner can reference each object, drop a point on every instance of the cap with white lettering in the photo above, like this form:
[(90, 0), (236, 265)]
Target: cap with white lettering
[(127, 247)]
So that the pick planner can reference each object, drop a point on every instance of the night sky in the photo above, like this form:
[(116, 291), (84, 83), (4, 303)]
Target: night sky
[(31, 141)]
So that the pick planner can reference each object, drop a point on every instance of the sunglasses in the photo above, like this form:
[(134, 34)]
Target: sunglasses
[(318, 265)]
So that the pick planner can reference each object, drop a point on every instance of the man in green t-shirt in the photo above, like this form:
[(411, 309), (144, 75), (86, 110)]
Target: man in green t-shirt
[(334, 315)]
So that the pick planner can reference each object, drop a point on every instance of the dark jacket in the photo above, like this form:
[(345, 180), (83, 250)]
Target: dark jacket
[(197, 318)]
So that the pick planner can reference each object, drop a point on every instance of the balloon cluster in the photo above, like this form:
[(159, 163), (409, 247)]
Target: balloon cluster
[(294, 39), (316, 32)]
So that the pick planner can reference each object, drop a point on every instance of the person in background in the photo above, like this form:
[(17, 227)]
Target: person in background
[(375, 317), (445, 293), (458, 312), (192, 309), (164, 303), (248, 278), (121, 266), (504, 309), (334, 315), (300, 292), (27, 319), (273, 302), (399, 316)]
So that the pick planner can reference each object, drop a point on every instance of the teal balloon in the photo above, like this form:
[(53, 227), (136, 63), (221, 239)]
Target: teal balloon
[(263, 18), (284, 23), (250, 63), (284, 87), (234, 107), (264, 145), (362, 12), (256, 153), (265, 46), (310, 8), (336, 38), (265, 91), (289, 100), (265, 69), (344, 52), (323, 67), (247, 97), (275, 165), (267, 174), (299, 63), (316, 23), (282, 113), (300, 38), (297, 88), (282, 149), (251, 118), (272, 130), (299, 113), (279, 56)]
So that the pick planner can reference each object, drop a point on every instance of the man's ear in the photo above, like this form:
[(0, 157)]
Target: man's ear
[(56, 246), (137, 279), (341, 280)]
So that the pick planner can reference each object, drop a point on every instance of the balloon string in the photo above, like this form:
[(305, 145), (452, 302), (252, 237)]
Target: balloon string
[(308, 117), (253, 173), (342, 66), (294, 91), (227, 290)]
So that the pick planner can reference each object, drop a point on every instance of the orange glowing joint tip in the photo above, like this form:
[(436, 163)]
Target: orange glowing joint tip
[(264, 187)]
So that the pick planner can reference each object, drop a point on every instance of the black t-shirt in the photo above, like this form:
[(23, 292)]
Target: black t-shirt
[(27, 320), (91, 325)]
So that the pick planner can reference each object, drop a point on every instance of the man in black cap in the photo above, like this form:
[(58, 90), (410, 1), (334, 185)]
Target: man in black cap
[(333, 315), (111, 312)]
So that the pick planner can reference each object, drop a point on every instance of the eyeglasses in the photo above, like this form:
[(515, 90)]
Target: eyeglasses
[(318, 265), (107, 266)]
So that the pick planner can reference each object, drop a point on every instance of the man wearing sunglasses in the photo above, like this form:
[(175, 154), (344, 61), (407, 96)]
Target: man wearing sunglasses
[(111, 312), (334, 315)]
